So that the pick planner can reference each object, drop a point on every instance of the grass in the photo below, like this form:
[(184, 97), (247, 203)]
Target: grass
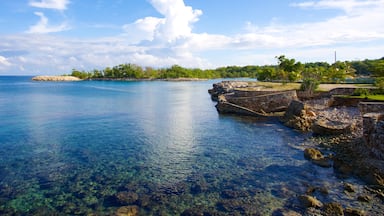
[(371, 97)]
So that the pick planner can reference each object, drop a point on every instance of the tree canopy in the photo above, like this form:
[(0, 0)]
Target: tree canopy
[(286, 70)]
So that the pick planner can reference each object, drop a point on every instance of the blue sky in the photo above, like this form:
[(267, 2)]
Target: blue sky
[(55, 36)]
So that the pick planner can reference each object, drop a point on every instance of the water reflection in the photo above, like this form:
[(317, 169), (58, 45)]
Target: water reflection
[(171, 128)]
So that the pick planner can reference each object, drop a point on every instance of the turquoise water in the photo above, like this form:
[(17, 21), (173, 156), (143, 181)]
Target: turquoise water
[(76, 148)]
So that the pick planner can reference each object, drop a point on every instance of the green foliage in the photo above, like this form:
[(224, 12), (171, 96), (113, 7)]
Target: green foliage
[(309, 85), (80, 74), (379, 83), (287, 70), (361, 92)]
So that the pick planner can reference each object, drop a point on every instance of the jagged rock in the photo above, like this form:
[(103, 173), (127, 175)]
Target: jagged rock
[(310, 201), (373, 125), (333, 209), (127, 211), (298, 116), (225, 87), (327, 127)]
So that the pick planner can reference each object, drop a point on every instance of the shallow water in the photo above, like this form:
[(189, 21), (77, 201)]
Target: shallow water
[(93, 146)]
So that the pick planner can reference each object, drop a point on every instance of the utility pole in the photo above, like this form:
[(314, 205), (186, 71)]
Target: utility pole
[(335, 56)]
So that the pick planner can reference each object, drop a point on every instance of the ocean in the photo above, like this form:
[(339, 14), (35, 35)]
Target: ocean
[(158, 147)]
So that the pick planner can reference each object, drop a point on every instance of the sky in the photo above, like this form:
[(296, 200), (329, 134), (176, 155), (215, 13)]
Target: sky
[(39, 37)]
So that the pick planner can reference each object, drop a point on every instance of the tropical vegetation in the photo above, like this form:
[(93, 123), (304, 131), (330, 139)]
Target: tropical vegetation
[(286, 70)]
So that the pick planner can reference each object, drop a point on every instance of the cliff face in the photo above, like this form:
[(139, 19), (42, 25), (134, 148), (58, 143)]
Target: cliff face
[(373, 132), (56, 78)]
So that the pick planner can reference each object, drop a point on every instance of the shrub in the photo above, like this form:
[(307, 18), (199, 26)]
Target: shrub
[(379, 83), (361, 92), (309, 85)]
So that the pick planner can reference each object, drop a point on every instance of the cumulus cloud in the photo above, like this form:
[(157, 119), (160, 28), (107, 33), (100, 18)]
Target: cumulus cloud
[(42, 26), (50, 4), (176, 22)]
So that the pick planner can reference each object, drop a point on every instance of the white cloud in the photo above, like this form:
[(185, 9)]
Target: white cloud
[(142, 29), (345, 5), (50, 4), (178, 19), (362, 21), (42, 26), (4, 61), (176, 23), (169, 39)]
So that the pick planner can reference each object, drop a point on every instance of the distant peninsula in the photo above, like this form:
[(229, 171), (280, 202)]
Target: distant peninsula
[(56, 78)]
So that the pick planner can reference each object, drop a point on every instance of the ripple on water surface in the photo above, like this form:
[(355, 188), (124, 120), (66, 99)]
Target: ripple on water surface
[(92, 147)]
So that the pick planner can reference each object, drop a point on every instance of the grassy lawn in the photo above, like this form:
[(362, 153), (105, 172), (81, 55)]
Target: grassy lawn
[(371, 97)]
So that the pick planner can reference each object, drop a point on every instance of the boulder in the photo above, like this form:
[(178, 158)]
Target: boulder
[(326, 127), (317, 157), (298, 116), (312, 154)]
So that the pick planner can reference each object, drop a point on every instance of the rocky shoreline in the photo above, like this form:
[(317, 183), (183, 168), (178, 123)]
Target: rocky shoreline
[(348, 138)]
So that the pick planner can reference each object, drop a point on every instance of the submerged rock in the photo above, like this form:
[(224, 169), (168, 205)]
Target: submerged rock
[(127, 211), (333, 209), (310, 201), (312, 154), (349, 187), (127, 197), (353, 212)]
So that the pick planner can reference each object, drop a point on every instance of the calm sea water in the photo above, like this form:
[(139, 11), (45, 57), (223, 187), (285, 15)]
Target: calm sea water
[(76, 148)]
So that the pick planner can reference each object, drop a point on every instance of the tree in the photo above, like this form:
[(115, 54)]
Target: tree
[(289, 69)]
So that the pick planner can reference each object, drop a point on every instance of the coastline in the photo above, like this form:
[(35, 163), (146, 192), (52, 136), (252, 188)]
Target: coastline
[(344, 136), (59, 78)]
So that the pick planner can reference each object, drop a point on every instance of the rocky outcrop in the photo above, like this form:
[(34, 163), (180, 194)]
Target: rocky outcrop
[(223, 106), (371, 107), (373, 132), (298, 116), (265, 103), (235, 97), (326, 127), (225, 87), (56, 78)]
